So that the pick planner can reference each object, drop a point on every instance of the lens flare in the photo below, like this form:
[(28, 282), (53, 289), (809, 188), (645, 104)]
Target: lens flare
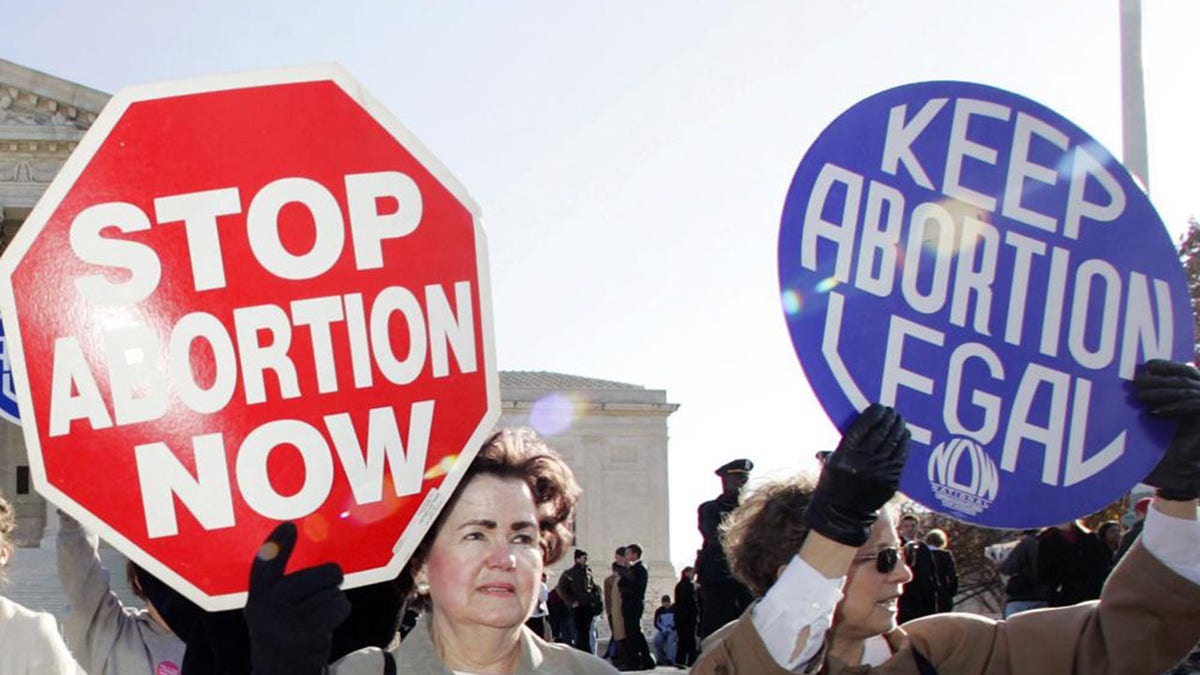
[(316, 528), (827, 284), (441, 468), (554, 413), (793, 302)]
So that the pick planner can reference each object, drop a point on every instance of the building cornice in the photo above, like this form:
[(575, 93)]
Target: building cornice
[(606, 408), (75, 98)]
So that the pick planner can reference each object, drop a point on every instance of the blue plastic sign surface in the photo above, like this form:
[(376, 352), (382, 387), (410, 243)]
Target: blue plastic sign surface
[(979, 262), (8, 395)]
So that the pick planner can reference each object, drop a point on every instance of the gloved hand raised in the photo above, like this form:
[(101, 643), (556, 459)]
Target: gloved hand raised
[(291, 618), (859, 477), (1170, 389)]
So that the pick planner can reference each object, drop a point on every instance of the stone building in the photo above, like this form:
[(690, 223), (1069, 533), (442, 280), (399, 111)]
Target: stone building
[(613, 434), (42, 119)]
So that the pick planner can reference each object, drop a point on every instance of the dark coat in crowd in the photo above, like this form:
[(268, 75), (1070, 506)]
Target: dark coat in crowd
[(920, 596), (947, 577), (1074, 564)]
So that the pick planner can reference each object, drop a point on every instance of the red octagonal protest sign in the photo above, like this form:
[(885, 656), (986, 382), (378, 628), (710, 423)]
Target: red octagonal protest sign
[(244, 300)]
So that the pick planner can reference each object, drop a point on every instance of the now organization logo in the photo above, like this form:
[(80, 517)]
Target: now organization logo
[(962, 476)]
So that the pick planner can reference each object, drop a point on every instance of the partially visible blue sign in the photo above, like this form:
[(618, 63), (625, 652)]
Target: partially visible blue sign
[(8, 395), (979, 262)]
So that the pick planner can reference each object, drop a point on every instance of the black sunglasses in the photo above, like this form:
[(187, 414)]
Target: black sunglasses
[(885, 561)]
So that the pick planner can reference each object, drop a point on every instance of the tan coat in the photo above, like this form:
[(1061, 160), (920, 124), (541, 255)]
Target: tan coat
[(417, 654), (612, 606), (1147, 619)]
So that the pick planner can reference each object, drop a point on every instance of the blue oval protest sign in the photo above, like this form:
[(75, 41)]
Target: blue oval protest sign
[(8, 395), (982, 264)]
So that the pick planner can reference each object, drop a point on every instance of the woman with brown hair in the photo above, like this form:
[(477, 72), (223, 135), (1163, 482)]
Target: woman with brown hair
[(29, 641), (475, 574)]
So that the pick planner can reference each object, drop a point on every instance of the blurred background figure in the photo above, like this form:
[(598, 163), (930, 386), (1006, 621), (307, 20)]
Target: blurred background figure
[(579, 592), (632, 586), (612, 608), (1110, 535), (722, 598), (1024, 589), (537, 620), (947, 572), (666, 638), (560, 618), (1131, 535), (920, 596), (686, 615), (1073, 562)]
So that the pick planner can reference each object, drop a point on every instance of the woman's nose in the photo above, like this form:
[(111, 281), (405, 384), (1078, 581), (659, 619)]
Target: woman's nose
[(903, 573), (502, 557)]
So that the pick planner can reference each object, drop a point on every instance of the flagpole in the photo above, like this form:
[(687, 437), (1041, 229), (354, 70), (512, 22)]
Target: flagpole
[(1133, 93)]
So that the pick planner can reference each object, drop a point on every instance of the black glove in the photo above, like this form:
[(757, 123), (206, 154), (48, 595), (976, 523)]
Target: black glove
[(217, 645), (291, 618), (1172, 390), (859, 477)]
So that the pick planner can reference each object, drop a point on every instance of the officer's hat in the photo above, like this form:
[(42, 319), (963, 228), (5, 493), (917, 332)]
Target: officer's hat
[(736, 466)]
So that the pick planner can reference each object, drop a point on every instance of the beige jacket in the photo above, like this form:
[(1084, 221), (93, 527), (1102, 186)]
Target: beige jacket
[(417, 654), (30, 643), (1147, 619), (612, 607)]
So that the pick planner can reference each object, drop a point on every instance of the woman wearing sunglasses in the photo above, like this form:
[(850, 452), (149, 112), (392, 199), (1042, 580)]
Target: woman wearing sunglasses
[(824, 562)]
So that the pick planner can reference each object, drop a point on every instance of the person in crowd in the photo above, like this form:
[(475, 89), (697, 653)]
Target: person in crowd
[(29, 641), (793, 543), (612, 607), (579, 591), (537, 618), (722, 597), (1024, 589), (1073, 562), (1109, 533), (632, 586), (1131, 535), (665, 637), (686, 614), (476, 574), (947, 572), (106, 636), (560, 618), (920, 596)]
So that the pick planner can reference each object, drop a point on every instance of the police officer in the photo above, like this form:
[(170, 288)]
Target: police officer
[(722, 598)]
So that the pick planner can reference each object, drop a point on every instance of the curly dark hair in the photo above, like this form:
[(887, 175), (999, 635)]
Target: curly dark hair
[(762, 534), (521, 454), (8, 523)]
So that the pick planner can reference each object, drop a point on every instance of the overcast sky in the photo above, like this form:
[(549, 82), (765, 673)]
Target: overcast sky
[(631, 158)]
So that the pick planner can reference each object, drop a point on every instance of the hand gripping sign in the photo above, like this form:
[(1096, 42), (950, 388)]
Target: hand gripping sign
[(976, 260), (249, 299)]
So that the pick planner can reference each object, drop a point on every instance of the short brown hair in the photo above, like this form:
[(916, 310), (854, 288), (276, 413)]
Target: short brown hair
[(520, 454), (763, 534), (936, 537)]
